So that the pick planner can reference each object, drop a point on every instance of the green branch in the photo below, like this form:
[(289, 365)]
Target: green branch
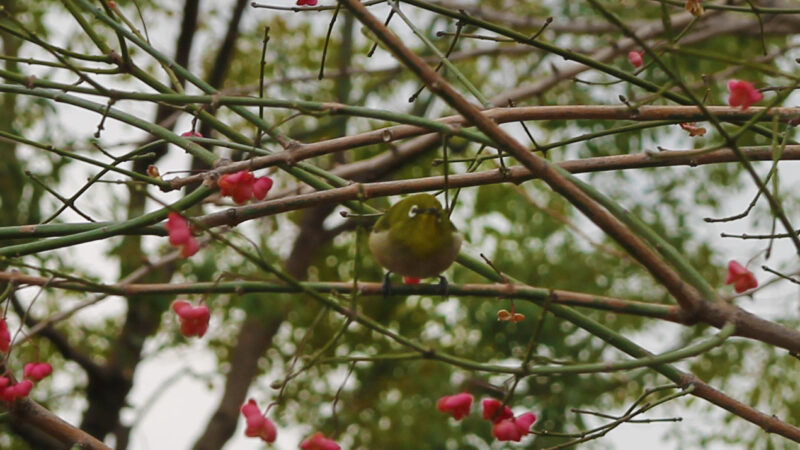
[(108, 231)]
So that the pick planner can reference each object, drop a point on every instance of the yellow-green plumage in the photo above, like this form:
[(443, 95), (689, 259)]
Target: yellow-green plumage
[(415, 238)]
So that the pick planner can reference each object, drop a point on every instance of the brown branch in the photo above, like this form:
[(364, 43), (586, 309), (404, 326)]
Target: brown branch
[(769, 423), (378, 167), (165, 263), (256, 336), (499, 115), (254, 339), (106, 392), (689, 299), (59, 341), (566, 25), (375, 167), (27, 413), (222, 63), (570, 69), (685, 294), (353, 71), (362, 170), (227, 49), (500, 292), (558, 216), (217, 74), (714, 24), (515, 174), (513, 19), (183, 47)]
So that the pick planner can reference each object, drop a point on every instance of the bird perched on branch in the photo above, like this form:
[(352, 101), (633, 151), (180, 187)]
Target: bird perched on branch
[(415, 239)]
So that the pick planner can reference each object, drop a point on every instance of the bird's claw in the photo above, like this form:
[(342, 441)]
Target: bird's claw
[(443, 285), (387, 284)]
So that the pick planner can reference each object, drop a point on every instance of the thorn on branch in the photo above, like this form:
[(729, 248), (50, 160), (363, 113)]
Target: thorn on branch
[(497, 271), (547, 22), (627, 103), (781, 275), (375, 38), (100, 126), (327, 41)]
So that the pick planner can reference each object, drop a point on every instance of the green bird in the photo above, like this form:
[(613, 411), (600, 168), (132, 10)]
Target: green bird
[(415, 239)]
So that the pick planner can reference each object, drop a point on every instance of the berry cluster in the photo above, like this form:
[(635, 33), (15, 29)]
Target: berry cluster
[(505, 426), (33, 372), (243, 186), (259, 426)]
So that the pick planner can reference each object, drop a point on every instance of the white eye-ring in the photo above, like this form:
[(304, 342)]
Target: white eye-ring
[(413, 211)]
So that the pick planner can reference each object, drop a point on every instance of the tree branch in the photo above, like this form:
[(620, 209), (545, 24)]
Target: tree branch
[(59, 341), (687, 296), (26, 412)]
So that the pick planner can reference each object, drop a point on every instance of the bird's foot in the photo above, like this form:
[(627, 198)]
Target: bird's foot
[(443, 285), (387, 284)]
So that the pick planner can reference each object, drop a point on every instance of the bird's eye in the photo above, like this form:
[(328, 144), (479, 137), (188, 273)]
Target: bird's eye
[(413, 211)]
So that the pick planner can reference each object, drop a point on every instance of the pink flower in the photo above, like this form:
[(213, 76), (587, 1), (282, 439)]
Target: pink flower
[(741, 278), (243, 186), (37, 371), (506, 427), (306, 2), (635, 58), (19, 390), (318, 441), (258, 425), (190, 248), (743, 94), (524, 422), (457, 405), (194, 319), (178, 228), (238, 185), (5, 336), (191, 133), (490, 407), (180, 235), (261, 187), (513, 429), (506, 430)]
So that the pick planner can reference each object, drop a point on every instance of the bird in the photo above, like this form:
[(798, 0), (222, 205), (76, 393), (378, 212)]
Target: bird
[(415, 238)]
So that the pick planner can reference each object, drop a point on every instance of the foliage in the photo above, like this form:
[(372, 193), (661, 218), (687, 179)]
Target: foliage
[(365, 368)]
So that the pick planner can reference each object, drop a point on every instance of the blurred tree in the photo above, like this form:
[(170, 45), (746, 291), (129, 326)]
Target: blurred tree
[(316, 95)]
